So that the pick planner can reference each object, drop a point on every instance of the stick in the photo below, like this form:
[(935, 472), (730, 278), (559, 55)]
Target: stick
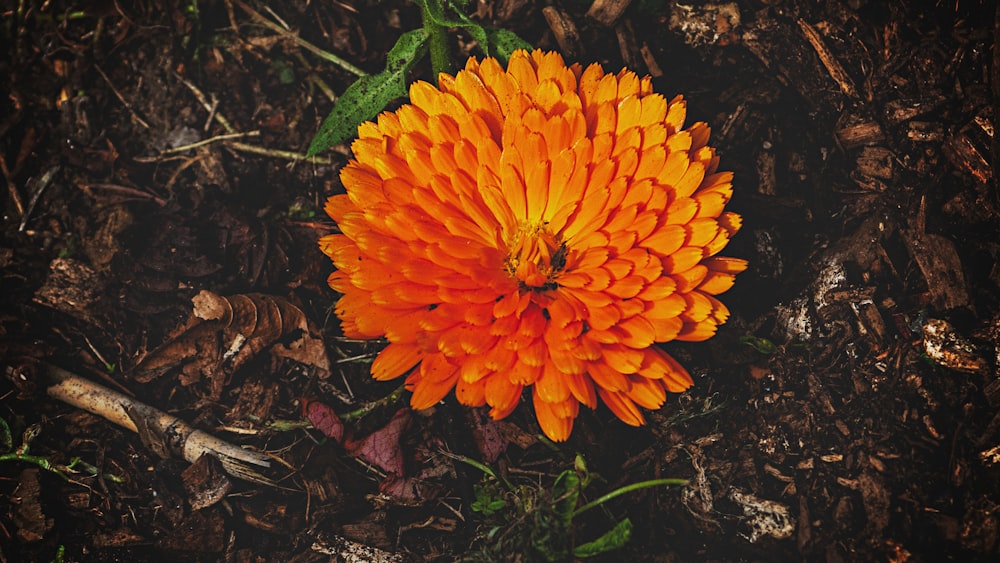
[(179, 438)]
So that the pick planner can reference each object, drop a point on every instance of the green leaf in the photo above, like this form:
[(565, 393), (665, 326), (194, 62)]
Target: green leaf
[(565, 493), (369, 95), (612, 539), (503, 43), (6, 440), (486, 502)]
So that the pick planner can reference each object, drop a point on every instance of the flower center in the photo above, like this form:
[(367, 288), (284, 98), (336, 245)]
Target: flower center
[(535, 256)]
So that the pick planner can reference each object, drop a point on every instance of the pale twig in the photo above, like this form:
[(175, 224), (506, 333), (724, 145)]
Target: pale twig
[(15, 196), (128, 191), (210, 107), (180, 438), (231, 134), (43, 182), (277, 153), (209, 141)]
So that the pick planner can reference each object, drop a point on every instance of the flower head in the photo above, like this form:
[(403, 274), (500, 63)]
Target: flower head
[(539, 226)]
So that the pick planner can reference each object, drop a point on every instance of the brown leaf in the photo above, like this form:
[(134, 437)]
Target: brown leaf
[(489, 439), (206, 482), (224, 333)]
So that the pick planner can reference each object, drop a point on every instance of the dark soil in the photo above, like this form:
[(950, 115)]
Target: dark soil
[(847, 412)]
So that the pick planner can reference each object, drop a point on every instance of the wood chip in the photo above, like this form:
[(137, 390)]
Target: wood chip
[(565, 31), (628, 46), (607, 12), (832, 65), (857, 131), (969, 148), (940, 265), (651, 65)]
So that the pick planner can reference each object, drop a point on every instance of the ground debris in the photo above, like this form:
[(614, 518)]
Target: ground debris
[(834, 417), (764, 518)]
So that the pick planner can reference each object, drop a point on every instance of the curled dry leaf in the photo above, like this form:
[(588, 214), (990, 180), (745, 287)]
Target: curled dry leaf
[(223, 333)]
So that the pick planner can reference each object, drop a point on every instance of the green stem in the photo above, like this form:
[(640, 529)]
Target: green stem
[(389, 399), (627, 489), (37, 460), (438, 42)]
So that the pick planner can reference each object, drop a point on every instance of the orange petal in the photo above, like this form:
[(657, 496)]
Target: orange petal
[(435, 378), (552, 385), (660, 365), (582, 388), (502, 395), (726, 265), (622, 406), (697, 331), (470, 394), (624, 359), (682, 260), (690, 279), (557, 428), (607, 377), (647, 393), (717, 282), (394, 360)]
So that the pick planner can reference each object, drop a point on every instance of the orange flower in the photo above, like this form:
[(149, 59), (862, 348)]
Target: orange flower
[(541, 226)]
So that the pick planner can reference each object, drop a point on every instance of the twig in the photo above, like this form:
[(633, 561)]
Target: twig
[(231, 134), (11, 187), (181, 438), (121, 98), (209, 141), (128, 190), (42, 183), (277, 153), (210, 107), (832, 65), (302, 42)]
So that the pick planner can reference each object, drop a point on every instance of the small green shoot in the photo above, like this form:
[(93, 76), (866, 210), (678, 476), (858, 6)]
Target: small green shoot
[(530, 519), (22, 454), (60, 556), (369, 95), (762, 345), (489, 500)]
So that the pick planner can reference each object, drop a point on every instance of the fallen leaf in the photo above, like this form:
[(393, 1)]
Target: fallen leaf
[(489, 439), (224, 333), (381, 448), (323, 418)]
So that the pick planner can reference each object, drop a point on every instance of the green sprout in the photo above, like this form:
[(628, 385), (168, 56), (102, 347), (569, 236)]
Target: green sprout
[(22, 454), (542, 522), (762, 345), (370, 94)]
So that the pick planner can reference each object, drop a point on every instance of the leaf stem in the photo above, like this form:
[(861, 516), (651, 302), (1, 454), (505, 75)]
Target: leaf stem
[(438, 42), (627, 489)]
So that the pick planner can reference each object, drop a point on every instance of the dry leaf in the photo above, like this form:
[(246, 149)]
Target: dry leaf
[(223, 333)]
